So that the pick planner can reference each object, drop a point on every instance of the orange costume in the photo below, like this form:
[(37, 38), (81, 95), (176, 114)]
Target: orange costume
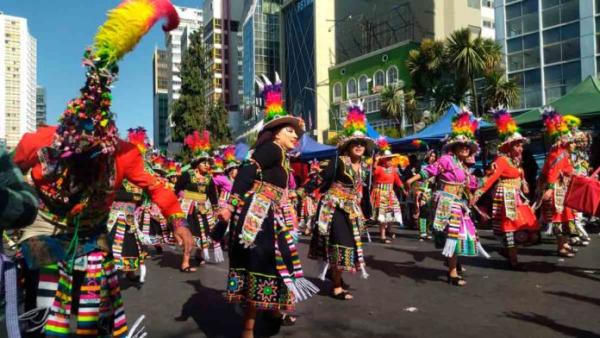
[(556, 175), (513, 218), (386, 207)]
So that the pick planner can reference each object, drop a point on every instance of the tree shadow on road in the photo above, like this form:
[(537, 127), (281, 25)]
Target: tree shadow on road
[(565, 330), (586, 299), (419, 274), (217, 318)]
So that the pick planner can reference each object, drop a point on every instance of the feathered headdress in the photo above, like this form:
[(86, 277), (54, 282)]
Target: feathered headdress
[(88, 123), (137, 136), (418, 143), (229, 157), (275, 113), (355, 126), (384, 147), (508, 131), (158, 163), (218, 164), (400, 161), (464, 127), (198, 144), (556, 127), (314, 167), (173, 168)]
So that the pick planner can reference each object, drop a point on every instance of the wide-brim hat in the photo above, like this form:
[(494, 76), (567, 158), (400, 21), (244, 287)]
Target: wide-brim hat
[(461, 139), (344, 142), (281, 121), (231, 165), (513, 139), (201, 157), (387, 155)]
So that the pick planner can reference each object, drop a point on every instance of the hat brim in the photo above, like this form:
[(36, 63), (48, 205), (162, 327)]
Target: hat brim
[(346, 141), (473, 146), (296, 123), (231, 166), (511, 141)]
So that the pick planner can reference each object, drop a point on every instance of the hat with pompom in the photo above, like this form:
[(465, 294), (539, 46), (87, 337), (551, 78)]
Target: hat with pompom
[(355, 128)]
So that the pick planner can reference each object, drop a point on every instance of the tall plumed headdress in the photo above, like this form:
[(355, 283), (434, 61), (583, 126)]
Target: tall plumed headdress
[(418, 144), (87, 124), (385, 150), (574, 122), (158, 163), (218, 165), (275, 113), (173, 168), (229, 157), (508, 131), (139, 138), (556, 127), (198, 144), (400, 161), (355, 127), (464, 127)]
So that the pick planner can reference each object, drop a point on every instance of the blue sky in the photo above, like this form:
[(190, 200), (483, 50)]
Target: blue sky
[(63, 29)]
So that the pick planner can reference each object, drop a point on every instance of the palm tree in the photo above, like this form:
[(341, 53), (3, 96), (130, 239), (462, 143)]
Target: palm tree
[(466, 54), (425, 65), (500, 92), (410, 105), (392, 102)]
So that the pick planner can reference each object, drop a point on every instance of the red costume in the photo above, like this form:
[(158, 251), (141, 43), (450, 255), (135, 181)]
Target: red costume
[(386, 207), (557, 173)]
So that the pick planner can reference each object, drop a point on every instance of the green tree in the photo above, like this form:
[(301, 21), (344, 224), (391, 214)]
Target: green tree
[(219, 124), (410, 106), (499, 91), (392, 101)]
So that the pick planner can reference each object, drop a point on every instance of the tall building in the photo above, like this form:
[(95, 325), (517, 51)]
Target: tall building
[(176, 42), (40, 106), (260, 33), (18, 59), (550, 45), (488, 29), (160, 95), (223, 40)]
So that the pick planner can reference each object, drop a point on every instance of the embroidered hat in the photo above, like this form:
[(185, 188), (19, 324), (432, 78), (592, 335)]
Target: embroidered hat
[(355, 128), (556, 127), (508, 131), (199, 145), (275, 113), (464, 127)]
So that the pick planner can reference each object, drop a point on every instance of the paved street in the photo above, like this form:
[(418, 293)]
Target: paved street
[(405, 296)]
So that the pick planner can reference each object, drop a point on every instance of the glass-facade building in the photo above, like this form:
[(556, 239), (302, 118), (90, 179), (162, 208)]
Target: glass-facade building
[(261, 50), (299, 59), (550, 45)]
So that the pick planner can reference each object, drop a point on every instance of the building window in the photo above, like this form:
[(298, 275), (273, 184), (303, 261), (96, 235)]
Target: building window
[(363, 85), (598, 33), (522, 18), (556, 12), (560, 79), (351, 88), (561, 43), (474, 3), (488, 3), (523, 52), (531, 88), (378, 79), (337, 92), (488, 24), (392, 76)]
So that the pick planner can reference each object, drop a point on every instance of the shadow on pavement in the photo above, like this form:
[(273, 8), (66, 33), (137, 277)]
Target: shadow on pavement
[(591, 300), (419, 274), (535, 318), (216, 318)]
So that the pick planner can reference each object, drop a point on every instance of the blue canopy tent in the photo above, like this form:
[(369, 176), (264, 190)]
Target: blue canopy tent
[(434, 133), (310, 149)]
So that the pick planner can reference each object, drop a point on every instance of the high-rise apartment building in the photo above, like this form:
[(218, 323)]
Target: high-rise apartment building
[(18, 59), (261, 34), (40, 106), (550, 45), (223, 41), (160, 95), (176, 42), (488, 19)]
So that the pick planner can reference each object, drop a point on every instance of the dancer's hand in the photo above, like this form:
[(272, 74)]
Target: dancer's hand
[(224, 214), (548, 195), (184, 239)]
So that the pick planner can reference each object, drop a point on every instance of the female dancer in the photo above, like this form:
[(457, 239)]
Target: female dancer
[(453, 228), (337, 234), (554, 180), (265, 271), (310, 196), (198, 196), (513, 219), (386, 207)]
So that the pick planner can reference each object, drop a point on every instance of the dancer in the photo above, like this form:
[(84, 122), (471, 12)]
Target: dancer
[(199, 199), (513, 219), (554, 180), (421, 194), (337, 235), (386, 207), (581, 166), (265, 271), (76, 169), (310, 196), (453, 229)]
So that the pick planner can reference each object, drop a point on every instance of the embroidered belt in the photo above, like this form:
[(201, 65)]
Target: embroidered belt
[(511, 183), (344, 193), (452, 188), (192, 195), (272, 192)]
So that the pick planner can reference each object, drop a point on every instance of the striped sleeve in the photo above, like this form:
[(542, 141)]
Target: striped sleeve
[(18, 203)]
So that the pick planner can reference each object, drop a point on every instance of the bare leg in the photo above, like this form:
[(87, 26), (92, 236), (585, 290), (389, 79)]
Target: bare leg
[(452, 270), (249, 321), (336, 278), (382, 228), (185, 263), (512, 256)]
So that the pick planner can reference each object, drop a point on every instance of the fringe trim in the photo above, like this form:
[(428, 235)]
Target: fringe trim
[(450, 247), (135, 332), (363, 271), (30, 316), (324, 268), (218, 253), (482, 251), (206, 254), (302, 289)]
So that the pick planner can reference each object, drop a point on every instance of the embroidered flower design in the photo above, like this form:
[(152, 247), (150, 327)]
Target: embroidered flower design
[(267, 290)]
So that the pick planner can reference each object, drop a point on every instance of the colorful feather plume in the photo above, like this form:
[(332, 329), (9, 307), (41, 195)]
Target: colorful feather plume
[(418, 143), (272, 96), (87, 124), (137, 136), (127, 24), (173, 168), (400, 161), (383, 144), (218, 163), (229, 154), (506, 125), (356, 121), (554, 123), (158, 162), (573, 122), (463, 124), (198, 144)]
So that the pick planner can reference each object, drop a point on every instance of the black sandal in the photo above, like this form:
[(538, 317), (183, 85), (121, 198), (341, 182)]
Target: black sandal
[(456, 281), (287, 320), (188, 269), (342, 296)]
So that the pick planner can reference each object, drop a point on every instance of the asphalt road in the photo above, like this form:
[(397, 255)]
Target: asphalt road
[(405, 296)]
